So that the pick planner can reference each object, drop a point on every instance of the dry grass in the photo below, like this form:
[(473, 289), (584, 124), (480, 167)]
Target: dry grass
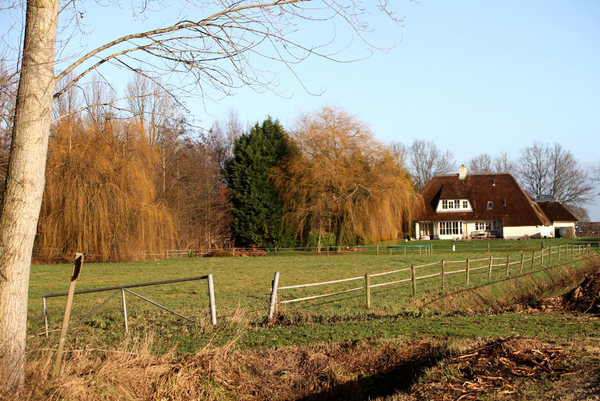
[(375, 370), (226, 373)]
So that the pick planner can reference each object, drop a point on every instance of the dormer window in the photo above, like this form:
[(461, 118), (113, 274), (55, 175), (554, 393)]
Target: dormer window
[(449, 205), (490, 204)]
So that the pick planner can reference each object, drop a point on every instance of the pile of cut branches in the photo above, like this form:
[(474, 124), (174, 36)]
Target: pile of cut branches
[(495, 368), (586, 296)]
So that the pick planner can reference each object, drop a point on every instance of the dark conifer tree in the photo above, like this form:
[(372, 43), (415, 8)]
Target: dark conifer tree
[(256, 206)]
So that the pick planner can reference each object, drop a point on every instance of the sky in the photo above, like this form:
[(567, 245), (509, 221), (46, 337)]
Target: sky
[(472, 76)]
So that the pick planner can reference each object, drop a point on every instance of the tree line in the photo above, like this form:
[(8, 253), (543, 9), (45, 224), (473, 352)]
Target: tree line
[(122, 183)]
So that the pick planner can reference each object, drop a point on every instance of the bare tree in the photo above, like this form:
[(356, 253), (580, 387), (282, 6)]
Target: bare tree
[(425, 160), (398, 152), (552, 170), (222, 135), (8, 92), (579, 212), (595, 172), (503, 164), (481, 164), (486, 164), (215, 49)]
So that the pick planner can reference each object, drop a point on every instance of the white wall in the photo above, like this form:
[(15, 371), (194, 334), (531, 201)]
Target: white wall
[(559, 224), (518, 232)]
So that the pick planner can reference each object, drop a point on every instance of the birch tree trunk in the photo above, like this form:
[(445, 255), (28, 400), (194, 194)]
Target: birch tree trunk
[(25, 185)]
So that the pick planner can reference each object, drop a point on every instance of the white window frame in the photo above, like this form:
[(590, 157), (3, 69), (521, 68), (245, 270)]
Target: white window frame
[(450, 227)]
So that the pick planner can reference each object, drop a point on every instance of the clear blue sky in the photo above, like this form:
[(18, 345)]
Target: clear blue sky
[(473, 76)]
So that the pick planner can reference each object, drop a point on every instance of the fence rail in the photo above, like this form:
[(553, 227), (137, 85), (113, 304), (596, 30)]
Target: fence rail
[(549, 253), (127, 289)]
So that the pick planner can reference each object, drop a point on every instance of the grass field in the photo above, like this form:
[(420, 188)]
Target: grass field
[(486, 309), (242, 287)]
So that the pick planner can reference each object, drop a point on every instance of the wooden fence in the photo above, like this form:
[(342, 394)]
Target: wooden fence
[(544, 256), (400, 248)]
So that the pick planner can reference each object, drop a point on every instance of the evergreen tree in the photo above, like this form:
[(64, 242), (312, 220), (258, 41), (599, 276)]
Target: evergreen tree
[(256, 207)]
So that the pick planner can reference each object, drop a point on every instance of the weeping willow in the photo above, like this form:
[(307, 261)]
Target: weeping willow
[(344, 181), (100, 195)]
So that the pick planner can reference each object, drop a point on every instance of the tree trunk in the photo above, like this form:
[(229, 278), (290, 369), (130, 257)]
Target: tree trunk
[(25, 185)]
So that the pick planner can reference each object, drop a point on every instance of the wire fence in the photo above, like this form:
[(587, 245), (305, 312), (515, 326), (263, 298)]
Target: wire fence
[(123, 289), (439, 270)]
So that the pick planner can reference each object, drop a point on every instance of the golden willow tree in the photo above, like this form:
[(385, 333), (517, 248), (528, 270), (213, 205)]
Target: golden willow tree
[(344, 181), (214, 46), (100, 195)]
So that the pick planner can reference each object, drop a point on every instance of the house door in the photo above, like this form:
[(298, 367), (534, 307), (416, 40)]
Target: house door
[(427, 229)]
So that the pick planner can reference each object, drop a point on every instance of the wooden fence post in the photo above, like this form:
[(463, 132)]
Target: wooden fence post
[(377, 249), (468, 270), (522, 260), (368, 289), (550, 255), (443, 274), (533, 260), (414, 280), (431, 249), (273, 304), (542, 259), (572, 250), (507, 265), (491, 266), (76, 270), (559, 252)]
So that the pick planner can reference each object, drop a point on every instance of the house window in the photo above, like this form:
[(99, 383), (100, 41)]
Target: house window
[(486, 225), (451, 228), (454, 204), (490, 204)]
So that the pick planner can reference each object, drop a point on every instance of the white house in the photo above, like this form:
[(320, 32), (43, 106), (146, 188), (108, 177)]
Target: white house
[(488, 205)]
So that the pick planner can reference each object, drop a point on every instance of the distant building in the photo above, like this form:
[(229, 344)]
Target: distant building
[(463, 206)]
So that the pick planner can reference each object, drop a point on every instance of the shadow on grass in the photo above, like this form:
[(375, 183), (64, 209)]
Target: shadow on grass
[(396, 379)]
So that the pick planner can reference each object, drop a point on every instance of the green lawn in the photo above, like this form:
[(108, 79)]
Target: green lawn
[(242, 287)]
